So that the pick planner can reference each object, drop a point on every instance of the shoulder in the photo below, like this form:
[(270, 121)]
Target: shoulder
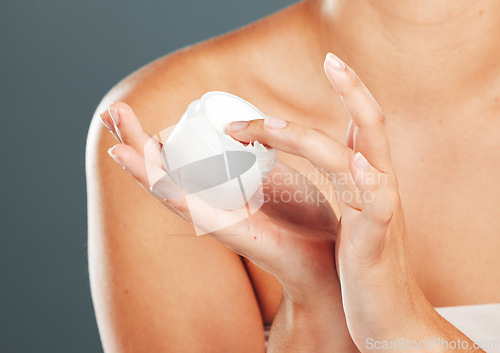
[(235, 62), (160, 91)]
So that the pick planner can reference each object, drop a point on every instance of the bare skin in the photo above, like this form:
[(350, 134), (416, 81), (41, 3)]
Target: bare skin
[(156, 291)]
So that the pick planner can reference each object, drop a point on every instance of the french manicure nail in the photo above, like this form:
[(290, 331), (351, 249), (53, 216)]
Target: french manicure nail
[(105, 123), (334, 62), (361, 162), (113, 113), (274, 123), (115, 157), (237, 126)]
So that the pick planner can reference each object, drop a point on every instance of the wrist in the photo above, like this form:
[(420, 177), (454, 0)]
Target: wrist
[(314, 298), (313, 308), (314, 322)]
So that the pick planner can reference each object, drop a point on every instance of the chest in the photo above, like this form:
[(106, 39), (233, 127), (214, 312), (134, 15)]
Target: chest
[(449, 175), (449, 184)]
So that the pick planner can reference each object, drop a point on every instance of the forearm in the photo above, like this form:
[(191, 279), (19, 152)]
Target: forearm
[(318, 326)]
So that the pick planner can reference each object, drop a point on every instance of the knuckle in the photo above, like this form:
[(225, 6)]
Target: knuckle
[(385, 210), (381, 210), (303, 138), (319, 131), (379, 117), (304, 133), (384, 215)]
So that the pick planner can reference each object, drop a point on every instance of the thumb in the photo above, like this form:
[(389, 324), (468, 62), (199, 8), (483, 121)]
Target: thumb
[(369, 230)]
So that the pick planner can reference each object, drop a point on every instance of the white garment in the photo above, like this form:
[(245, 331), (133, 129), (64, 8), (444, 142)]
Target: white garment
[(481, 323)]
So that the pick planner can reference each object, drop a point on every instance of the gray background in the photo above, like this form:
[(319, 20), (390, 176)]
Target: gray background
[(58, 58)]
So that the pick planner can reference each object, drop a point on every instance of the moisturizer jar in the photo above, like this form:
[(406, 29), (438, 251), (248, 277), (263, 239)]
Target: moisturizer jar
[(207, 163)]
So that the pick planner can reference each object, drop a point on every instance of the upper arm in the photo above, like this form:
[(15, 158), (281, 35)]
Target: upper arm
[(155, 285)]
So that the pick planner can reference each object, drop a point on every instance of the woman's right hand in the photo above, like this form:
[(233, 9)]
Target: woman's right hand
[(280, 237)]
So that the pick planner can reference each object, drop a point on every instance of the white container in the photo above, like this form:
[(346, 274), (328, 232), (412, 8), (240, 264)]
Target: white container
[(207, 163)]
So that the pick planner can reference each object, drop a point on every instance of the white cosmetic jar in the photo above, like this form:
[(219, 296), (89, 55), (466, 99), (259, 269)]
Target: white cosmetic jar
[(206, 162)]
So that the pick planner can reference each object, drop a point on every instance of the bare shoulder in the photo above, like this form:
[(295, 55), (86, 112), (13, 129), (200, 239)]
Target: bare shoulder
[(160, 91), (132, 261)]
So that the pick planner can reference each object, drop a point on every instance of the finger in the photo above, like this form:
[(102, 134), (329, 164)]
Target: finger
[(371, 137), (129, 131), (136, 165), (108, 123), (323, 151), (329, 156), (369, 231)]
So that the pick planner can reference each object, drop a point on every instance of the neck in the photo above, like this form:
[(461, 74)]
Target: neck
[(416, 46)]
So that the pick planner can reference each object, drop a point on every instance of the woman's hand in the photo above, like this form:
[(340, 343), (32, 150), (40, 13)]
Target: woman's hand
[(381, 297), (292, 238)]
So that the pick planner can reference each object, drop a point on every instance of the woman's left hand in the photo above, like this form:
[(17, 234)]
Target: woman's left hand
[(381, 297)]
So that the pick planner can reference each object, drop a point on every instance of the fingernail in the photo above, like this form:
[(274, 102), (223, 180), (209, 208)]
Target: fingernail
[(237, 126), (333, 62), (274, 123), (115, 157), (113, 113), (361, 162), (105, 123), (166, 190)]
